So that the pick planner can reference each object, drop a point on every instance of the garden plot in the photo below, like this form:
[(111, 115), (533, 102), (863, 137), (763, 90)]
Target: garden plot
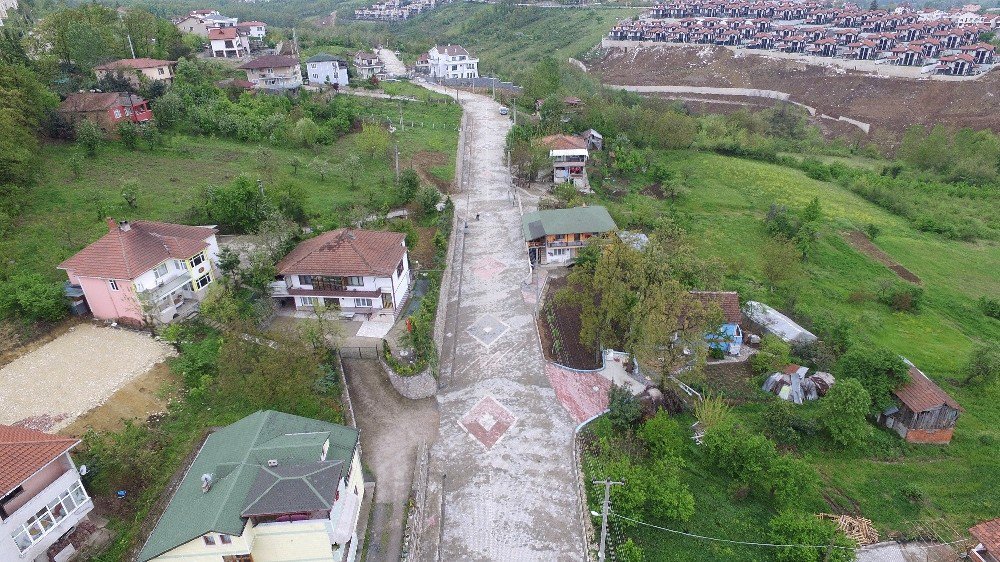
[(58, 382)]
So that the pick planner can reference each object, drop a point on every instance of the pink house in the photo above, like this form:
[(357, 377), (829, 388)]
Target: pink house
[(144, 270)]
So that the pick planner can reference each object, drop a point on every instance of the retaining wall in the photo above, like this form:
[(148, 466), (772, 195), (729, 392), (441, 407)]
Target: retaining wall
[(414, 387)]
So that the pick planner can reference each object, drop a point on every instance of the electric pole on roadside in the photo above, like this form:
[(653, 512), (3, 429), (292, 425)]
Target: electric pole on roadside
[(604, 514)]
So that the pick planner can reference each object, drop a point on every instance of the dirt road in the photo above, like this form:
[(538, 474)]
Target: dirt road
[(393, 65)]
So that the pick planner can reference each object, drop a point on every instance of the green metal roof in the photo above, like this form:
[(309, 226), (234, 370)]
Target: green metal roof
[(234, 456), (323, 57), (566, 221)]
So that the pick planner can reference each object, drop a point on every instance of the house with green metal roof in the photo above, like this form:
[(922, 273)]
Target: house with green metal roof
[(323, 69), (272, 487), (555, 236)]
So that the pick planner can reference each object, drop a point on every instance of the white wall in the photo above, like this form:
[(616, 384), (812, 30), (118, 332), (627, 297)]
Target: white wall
[(326, 72)]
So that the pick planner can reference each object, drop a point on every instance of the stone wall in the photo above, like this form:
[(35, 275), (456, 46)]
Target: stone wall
[(414, 387)]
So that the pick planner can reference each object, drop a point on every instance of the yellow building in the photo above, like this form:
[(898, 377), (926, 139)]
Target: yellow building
[(271, 487)]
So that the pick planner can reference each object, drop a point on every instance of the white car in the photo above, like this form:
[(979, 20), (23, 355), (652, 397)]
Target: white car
[(504, 110)]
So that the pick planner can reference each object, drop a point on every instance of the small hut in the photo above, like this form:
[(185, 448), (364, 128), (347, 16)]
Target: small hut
[(924, 413), (796, 385)]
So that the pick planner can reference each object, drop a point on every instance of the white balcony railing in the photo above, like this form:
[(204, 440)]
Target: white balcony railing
[(48, 518)]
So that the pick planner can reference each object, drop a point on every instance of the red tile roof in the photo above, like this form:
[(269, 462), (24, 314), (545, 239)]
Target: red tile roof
[(219, 33), (988, 533), (563, 142), (127, 254), (135, 63), (728, 301), (346, 252), (252, 24), (24, 451), (921, 394), (86, 102)]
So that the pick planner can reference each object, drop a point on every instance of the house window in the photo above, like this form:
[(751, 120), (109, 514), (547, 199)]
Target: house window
[(198, 259), (203, 281), (360, 303), (305, 279), (315, 75), (34, 529), (160, 71), (113, 284), (399, 268), (160, 270), (209, 540), (308, 301), (237, 558), (118, 114), (355, 281), (7, 499), (225, 539)]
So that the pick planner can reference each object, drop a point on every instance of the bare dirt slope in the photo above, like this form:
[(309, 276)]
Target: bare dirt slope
[(888, 104)]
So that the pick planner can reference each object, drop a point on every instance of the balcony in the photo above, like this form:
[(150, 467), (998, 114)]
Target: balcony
[(167, 286), (49, 515), (567, 244)]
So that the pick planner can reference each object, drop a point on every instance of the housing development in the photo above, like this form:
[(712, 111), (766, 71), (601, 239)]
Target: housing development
[(437, 281)]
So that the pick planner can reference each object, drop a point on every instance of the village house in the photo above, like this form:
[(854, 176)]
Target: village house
[(324, 69), (987, 534), (227, 42), (369, 65), (272, 487), (924, 413), (144, 271), (41, 497), (452, 61), (356, 272), (555, 236), (200, 22), (137, 71), (256, 30), (594, 140), (274, 72), (423, 64), (728, 336), (105, 109), (569, 156)]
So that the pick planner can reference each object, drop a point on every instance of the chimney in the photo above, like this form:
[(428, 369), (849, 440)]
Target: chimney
[(112, 225), (124, 226), (206, 483)]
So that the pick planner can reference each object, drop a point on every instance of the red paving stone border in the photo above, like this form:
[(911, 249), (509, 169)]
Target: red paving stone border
[(576, 393), (472, 421)]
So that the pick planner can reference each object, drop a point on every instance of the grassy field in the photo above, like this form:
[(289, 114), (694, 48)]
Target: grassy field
[(723, 212), (64, 213), (507, 42)]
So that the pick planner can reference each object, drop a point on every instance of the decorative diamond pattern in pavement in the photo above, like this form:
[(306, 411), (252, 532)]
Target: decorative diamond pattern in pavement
[(487, 422), (487, 329), (488, 267)]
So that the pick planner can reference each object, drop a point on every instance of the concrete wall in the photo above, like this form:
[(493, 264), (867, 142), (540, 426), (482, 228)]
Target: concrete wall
[(414, 387)]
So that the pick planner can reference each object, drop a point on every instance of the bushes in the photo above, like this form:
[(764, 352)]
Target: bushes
[(738, 453), (798, 528), (843, 412), (990, 307), (773, 356), (878, 369), (239, 207), (623, 408), (89, 136), (31, 297), (900, 296), (983, 365)]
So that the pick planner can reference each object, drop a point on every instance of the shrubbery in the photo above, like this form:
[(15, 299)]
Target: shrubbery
[(31, 297)]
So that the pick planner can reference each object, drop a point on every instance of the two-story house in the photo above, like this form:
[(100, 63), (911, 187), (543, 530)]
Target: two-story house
[(323, 69), (105, 109), (369, 65), (255, 30), (228, 42), (452, 61), (569, 158), (274, 72), (41, 496), (138, 70), (144, 271), (271, 487), (555, 236), (987, 534), (358, 272)]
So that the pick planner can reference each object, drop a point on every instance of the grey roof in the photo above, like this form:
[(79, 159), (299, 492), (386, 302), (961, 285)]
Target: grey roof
[(294, 488), (323, 57), (567, 221)]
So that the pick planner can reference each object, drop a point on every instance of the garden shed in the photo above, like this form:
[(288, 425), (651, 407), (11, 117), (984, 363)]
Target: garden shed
[(924, 412), (774, 322)]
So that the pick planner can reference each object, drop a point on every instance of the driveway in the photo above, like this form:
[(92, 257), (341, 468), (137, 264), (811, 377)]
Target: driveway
[(392, 429), (55, 384), (393, 65), (505, 444)]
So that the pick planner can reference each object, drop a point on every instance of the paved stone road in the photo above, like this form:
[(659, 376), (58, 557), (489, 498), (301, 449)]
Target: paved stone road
[(505, 441)]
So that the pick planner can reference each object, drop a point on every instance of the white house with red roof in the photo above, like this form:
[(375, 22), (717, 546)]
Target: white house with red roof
[(358, 272), (253, 29), (452, 61), (41, 496), (228, 42), (144, 270)]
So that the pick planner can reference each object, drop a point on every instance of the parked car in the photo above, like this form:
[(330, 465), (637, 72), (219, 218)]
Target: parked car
[(504, 110)]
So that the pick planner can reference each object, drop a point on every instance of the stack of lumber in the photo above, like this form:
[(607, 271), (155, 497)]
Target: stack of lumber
[(858, 528)]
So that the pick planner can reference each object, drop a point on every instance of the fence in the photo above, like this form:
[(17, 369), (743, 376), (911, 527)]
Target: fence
[(359, 352), (481, 82)]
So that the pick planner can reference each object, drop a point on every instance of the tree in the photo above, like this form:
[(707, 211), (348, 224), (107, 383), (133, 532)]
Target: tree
[(128, 134), (662, 435), (305, 132), (773, 356), (239, 207), (843, 412), (321, 166), (150, 134), (878, 369), (798, 528), (628, 551), (983, 365), (623, 408), (130, 192), (373, 141), (32, 297), (428, 197), (813, 211), (89, 136), (409, 183), (738, 453), (669, 498), (169, 109), (781, 264), (792, 481)]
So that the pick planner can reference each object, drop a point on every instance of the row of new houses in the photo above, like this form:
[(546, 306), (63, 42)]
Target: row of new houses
[(395, 10), (147, 271), (271, 487), (227, 37)]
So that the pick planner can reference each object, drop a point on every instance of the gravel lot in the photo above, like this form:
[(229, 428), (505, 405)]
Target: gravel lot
[(53, 385)]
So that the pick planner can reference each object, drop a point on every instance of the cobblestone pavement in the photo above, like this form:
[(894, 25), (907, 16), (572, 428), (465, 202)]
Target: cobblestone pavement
[(505, 442)]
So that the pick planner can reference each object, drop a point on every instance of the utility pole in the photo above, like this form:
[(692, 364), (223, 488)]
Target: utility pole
[(604, 514), (397, 162)]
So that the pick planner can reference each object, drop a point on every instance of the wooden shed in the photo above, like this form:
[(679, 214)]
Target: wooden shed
[(924, 413)]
